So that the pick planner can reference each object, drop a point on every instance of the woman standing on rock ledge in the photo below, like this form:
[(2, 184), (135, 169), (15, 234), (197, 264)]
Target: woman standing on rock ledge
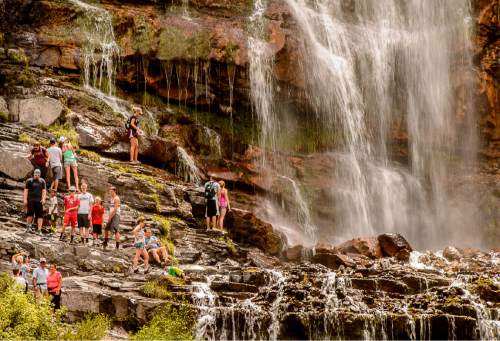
[(133, 134)]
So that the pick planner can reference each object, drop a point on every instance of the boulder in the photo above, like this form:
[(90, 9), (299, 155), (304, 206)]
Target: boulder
[(13, 161), (333, 260), (451, 253), (369, 247), (35, 111), (244, 227), (294, 254), (394, 245), (4, 109)]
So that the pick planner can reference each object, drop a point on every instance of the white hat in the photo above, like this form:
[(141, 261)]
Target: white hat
[(43, 260), (62, 139)]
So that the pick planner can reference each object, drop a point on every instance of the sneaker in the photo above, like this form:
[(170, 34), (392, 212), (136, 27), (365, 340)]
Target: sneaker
[(136, 271), (40, 233)]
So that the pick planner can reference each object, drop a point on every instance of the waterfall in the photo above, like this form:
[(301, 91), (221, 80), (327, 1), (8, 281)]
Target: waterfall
[(185, 167), (376, 71), (99, 48)]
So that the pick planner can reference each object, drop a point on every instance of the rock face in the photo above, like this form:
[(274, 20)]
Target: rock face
[(35, 111), (13, 161), (394, 245)]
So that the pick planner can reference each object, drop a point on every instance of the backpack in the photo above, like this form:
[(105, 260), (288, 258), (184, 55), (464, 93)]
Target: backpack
[(210, 190), (127, 124)]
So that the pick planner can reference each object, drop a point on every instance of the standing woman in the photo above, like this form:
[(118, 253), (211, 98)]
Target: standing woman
[(54, 283), (140, 245), (133, 134), (70, 163), (224, 205)]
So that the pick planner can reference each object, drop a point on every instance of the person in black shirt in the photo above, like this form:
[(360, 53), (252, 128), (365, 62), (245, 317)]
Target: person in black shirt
[(35, 193), (133, 134)]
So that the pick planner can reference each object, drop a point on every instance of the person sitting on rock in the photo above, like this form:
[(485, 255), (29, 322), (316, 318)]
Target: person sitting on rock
[(224, 204), (40, 275), (114, 218), (85, 213), (133, 133), (39, 157), (35, 193), (54, 283), (140, 245), (55, 163), (71, 204), (70, 163), (97, 219), (53, 213), (211, 202), (155, 248)]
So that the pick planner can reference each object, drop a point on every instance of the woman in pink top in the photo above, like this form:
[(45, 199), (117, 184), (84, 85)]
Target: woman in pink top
[(54, 283), (224, 205)]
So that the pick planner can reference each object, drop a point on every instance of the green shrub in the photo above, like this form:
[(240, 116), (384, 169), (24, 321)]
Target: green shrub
[(164, 223), (4, 117), (231, 246), (65, 130), (25, 138), (93, 327), (92, 156), (155, 289), (169, 245), (169, 323)]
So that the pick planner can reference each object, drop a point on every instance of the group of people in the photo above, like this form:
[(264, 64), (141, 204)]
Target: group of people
[(45, 281), (217, 204)]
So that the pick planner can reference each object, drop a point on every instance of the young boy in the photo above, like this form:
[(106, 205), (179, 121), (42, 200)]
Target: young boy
[(71, 204), (97, 219), (53, 213)]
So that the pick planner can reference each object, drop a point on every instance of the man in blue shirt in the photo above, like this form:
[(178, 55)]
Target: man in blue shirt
[(40, 275)]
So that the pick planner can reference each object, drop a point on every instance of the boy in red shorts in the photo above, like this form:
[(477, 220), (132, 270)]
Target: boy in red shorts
[(71, 203), (97, 219)]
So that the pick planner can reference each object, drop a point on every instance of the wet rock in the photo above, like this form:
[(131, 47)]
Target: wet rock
[(294, 254), (333, 260), (13, 161), (451, 253), (233, 287), (4, 109), (394, 245), (369, 247), (35, 111)]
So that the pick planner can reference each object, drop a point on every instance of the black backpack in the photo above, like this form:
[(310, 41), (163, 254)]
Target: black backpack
[(210, 190), (127, 124)]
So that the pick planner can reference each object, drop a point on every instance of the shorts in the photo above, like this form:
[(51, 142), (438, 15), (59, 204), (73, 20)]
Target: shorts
[(139, 246), (70, 164), (83, 220), (114, 225), (211, 209), (57, 173), (97, 228), (70, 220), (35, 208)]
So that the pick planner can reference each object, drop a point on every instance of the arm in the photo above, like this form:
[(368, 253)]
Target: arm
[(227, 198), (91, 205), (44, 192), (47, 155), (59, 284), (25, 199), (136, 229)]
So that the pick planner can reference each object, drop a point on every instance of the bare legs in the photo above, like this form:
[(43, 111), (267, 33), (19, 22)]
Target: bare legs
[(134, 149), (137, 255), (75, 175)]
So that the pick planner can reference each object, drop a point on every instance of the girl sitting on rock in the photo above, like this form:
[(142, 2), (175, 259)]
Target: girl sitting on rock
[(140, 245)]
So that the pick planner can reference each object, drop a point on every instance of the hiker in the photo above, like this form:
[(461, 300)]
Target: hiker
[(53, 213), (35, 192), (113, 223), (40, 279), (20, 279), (155, 247), (133, 133), (211, 203), (97, 219), (140, 245), (54, 283), (71, 204), (20, 261), (224, 204), (69, 156), (85, 213), (39, 158), (55, 163)]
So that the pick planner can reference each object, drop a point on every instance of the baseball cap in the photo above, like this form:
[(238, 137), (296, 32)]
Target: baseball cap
[(52, 140), (72, 189), (62, 139), (43, 260), (37, 172)]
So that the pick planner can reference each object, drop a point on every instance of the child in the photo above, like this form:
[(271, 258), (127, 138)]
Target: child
[(140, 245), (53, 210), (97, 219), (71, 204)]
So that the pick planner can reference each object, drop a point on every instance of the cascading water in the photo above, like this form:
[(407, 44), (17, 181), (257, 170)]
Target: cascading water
[(375, 70), (99, 49), (186, 168)]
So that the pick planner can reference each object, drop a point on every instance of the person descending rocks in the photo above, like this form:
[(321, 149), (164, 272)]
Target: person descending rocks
[(55, 163), (97, 219), (155, 248), (211, 203), (113, 223), (53, 213), (35, 193), (224, 204), (140, 245), (133, 133), (71, 204), (85, 213), (40, 275), (70, 163), (39, 158), (54, 284)]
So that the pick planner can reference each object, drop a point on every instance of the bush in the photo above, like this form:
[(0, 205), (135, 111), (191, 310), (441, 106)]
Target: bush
[(155, 289), (65, 130), (93, 327), (92, 156), (164, 223), (169, 323)]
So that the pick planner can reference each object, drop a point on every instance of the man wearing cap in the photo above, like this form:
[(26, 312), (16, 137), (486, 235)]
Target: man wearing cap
[(40, 275), (35, 193), (55, 162), (71, 204)]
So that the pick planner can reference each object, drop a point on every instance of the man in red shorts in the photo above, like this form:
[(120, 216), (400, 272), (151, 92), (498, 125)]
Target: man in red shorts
[(71, 203)]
